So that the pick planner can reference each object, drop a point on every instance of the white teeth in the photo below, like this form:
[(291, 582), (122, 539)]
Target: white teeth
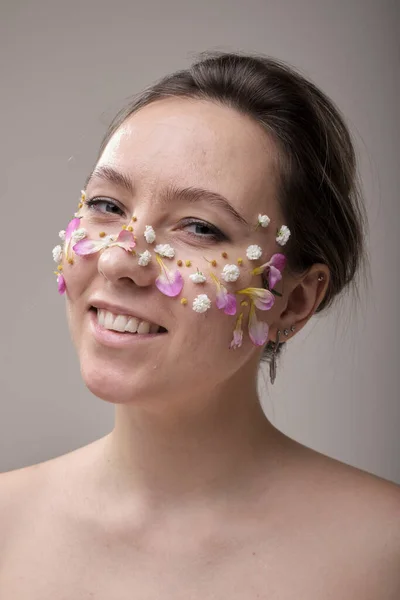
[(124, 323), (109, 319), (120, 323), (144, 327), (132, 325), (100, 317)]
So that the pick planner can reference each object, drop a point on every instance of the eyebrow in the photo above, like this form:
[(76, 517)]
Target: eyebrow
[(171, 193)]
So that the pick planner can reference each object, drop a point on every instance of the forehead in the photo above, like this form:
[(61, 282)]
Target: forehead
[(197, 143)]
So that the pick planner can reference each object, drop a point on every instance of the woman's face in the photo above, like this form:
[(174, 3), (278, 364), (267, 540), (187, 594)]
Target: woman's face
[(169, 145)]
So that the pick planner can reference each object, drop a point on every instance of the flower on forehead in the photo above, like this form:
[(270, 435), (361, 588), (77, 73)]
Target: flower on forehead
[(124, 240), (149, 234), (283, 235), (198, 277), (263, 299), (165, 250), (201, 303), (57, 254), (258, 330), (263, 220), (224, 300), (237, 333), (230, 273), (144, 258), (169, 282), (274, 268), (253, 252)]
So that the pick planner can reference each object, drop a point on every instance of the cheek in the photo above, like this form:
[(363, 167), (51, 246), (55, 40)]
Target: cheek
[(79, 275)]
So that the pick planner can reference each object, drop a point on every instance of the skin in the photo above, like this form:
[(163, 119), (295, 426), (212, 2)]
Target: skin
[(187, 414)]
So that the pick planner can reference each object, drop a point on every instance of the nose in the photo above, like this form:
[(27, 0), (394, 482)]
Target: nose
[(117, 265)]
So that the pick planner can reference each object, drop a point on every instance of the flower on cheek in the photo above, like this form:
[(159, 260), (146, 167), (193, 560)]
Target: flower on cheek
[(165, 250), (169, 282), (230, 273), (274, 268), (201, 303), (71, 227), (224, 300), (253, 252), (61, 283), (237, 333), (258, 330), (261, 298), (283, 235)]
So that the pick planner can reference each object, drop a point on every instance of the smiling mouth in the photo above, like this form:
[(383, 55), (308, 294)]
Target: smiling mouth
[(125, 323)]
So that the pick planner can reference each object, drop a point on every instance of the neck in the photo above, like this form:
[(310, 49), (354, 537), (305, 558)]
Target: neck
[(177, 455)]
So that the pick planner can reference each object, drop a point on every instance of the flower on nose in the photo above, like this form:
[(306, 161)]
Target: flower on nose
[(224, 300), (273, 269), (169, 282), (124, 240)]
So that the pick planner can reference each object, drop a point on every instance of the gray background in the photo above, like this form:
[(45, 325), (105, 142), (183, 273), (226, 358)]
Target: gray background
[(65, 68)]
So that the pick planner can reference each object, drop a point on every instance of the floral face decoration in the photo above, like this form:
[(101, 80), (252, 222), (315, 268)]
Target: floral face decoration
[(170, 281)]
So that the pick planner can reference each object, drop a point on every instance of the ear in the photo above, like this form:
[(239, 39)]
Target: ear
[(303, 295)]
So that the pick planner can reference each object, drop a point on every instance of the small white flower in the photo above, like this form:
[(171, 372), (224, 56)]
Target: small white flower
[(61, 234), (283, 235), (57, 254), (108, 239), (165, 250), (198, 277), (253, 252), (78, 234), (230, 273), (263, 220), (201, 303), (149, 234), (144, 258)]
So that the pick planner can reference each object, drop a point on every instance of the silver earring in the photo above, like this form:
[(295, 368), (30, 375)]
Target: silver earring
[(320, 277), (272, 364)]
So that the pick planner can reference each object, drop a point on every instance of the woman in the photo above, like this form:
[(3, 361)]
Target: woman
[(221, 214)]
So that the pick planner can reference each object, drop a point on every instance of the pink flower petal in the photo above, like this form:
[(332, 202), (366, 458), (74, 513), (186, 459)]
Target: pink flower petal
[(224, 300), (169, 282), (230, 308), (86, 246), (274, 275), (274, 266), (61, 284), (125, 240), (263, 299), (72, 225), (258, 330), (237, 334)]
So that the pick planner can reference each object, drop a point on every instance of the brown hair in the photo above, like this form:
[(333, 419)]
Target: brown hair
[(318, 190)]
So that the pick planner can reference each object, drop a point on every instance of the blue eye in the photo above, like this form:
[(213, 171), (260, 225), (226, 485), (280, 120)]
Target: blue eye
[(203, 230), (95, 203)]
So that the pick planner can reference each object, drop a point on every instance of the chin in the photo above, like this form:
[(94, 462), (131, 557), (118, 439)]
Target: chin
[(115, 385)]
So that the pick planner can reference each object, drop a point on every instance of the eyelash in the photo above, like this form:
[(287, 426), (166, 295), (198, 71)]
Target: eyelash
[(216, 234)]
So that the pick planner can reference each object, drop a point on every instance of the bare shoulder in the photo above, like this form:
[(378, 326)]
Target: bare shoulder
[(361, 515)]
